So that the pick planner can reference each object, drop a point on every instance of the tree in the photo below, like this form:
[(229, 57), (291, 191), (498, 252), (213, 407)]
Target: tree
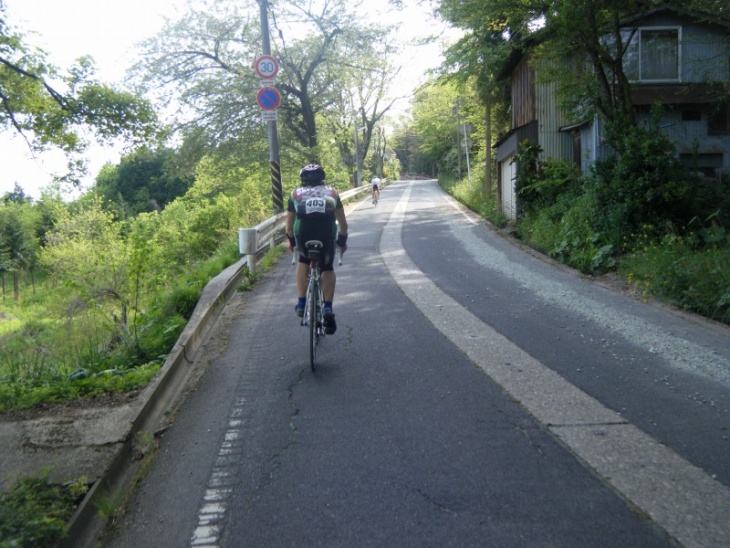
[(5, 264), (472, 63), (143, 180), (366, 75), (204, 61), (49, 108), (202, 64), (435, 125), (87, 254), (592, 35), (17, 247), (16, 196)]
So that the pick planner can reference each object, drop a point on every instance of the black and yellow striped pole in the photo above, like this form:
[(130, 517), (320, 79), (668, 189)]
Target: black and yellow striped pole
[(277, 195)]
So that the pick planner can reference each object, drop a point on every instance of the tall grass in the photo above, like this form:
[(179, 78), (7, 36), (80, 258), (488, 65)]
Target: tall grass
[(472, 193), (675, 269), (51, 351)]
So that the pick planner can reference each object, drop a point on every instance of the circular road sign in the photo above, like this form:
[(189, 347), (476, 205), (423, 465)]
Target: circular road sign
[(267, 67), (268, 98)]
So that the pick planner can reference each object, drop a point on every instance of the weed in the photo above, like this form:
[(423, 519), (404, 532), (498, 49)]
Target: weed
[(35, 512), (107, 507), (675, 268), (264, 265), (473, 195)]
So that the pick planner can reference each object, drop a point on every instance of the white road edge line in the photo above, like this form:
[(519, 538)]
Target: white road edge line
[(687, 503), (213, 510)]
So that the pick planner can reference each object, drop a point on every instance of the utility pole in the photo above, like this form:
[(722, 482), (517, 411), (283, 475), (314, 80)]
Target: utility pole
[(277, 195), (458, 136), (466, 148), (358, 167)]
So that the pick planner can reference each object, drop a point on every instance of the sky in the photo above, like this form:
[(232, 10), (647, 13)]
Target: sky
[(108, 31)]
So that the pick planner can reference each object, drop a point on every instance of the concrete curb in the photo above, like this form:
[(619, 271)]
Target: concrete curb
[(158, 398), (161, 395)]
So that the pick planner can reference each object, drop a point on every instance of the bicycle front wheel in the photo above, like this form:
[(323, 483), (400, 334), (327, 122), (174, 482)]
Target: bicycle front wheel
[(313, 303)]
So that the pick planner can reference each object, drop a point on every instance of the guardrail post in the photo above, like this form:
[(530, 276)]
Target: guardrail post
[(247, 246)]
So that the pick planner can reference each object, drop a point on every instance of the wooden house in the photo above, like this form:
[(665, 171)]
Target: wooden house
[(674, 58)]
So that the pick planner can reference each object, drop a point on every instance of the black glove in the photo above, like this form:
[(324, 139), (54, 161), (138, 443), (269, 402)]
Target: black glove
[(292, 241), (341, 240)]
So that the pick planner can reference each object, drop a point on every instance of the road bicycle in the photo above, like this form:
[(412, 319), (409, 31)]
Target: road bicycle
[(313, 306)]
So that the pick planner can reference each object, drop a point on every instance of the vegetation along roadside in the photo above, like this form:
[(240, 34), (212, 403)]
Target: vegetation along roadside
[(674, 247)]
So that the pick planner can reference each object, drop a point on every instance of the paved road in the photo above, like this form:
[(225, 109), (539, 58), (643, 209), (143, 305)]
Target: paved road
[(473, 395)]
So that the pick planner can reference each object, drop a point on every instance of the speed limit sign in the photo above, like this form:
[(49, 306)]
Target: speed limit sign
[(267, 67)]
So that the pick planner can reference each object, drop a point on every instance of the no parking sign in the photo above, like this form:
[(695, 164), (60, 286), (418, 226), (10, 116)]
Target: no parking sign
[(268, 98)]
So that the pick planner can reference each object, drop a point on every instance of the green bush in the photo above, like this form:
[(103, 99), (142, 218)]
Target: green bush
[(81, 383), (36, 512), (44, 361), (565, 230), (691, 272), (642, 182), (472, 194), (540, 183)]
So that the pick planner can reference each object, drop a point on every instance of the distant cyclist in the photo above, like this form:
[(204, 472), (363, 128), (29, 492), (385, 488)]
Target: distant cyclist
[(376, 188), (311, 214)]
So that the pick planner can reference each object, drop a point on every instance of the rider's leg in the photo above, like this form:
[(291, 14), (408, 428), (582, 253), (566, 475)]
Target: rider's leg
[(302, 279), (329, 280), (328, 293)]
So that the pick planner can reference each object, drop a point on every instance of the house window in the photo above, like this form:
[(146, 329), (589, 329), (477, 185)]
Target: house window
[(718, 121), (707, 164), (652, 55)]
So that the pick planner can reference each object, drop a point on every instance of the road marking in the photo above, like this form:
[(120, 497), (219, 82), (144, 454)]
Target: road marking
[(212, 512), (687, 503)]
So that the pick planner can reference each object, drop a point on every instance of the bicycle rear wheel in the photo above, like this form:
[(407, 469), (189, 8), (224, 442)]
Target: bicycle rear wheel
[(313, 336)]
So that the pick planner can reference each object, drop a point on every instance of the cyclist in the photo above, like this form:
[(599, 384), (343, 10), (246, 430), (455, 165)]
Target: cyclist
[(315, 212), (376, 188)]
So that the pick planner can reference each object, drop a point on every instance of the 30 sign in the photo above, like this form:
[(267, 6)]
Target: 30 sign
[(267, 67)]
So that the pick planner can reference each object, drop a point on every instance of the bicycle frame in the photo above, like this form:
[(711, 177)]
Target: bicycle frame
[(313, 304)]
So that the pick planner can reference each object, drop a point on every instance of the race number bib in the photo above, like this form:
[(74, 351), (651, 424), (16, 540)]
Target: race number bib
[(314, 205)]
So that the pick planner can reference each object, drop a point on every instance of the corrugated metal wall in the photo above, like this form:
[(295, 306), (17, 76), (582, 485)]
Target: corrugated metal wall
[(523, 95), (550, 119)]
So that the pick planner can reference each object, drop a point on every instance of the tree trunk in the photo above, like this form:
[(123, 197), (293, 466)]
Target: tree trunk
[(488, 148)]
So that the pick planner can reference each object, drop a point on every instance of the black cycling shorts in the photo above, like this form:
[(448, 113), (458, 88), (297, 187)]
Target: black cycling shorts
[(317, 229)]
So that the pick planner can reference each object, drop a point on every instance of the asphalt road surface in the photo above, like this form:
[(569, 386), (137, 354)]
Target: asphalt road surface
[(473, 395)]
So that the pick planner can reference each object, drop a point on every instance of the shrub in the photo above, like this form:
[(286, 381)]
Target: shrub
[(540, 183), (692, 272), (473, 195), (35, 512), (642, 182), (565, 230)]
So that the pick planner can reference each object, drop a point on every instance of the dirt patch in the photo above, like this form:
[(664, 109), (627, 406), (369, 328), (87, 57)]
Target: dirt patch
[(68, 409)]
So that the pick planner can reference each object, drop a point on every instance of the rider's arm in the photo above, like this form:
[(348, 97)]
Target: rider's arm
[(290, 218), (341, 221)]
